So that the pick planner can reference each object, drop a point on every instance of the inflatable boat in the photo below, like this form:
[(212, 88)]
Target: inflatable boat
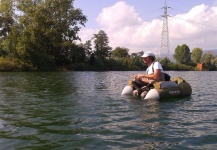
[(176, 87)]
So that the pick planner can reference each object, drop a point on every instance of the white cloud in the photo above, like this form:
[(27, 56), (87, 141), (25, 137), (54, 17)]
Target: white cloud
[(195, 28), (125, 28), (118, 16)]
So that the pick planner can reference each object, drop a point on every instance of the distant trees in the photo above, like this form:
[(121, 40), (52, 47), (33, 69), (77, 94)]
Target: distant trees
[(182, 54), (43, 35), (102, 57), (214, 63), (167, 64), (209, 60), (184, 57), (196, 55), (120, 52), (102, 48)]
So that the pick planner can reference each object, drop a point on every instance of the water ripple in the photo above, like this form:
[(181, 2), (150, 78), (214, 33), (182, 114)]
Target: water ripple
[(84, 110)]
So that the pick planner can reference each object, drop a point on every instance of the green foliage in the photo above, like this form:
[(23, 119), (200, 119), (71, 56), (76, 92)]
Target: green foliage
[(41, 35), (8, 29), (139, 54), (118, 65), (138, 61), (87, 48), (182, 54), (214, 63), (196, 55), (183, 67), (167, 64), (102, 48), (71, 53), (209, 60), (8, 65), (6, 17), (120, 52), (44, 30)]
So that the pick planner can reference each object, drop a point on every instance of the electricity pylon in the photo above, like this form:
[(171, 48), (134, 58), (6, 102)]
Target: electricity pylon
[(165, 46)]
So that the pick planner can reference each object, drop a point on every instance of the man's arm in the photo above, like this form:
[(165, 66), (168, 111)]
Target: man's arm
[(154, 76)]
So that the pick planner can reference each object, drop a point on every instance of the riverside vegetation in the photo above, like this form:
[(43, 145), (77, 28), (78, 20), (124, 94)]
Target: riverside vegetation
[(43, 36)]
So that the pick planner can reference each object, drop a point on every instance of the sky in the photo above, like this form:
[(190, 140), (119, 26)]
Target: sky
[(137, 24)]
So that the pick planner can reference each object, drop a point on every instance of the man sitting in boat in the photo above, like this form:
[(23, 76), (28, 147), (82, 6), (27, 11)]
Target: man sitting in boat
[(142, 82)]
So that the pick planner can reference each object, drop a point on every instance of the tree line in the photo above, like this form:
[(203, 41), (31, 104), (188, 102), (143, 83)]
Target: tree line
[(42, 35)]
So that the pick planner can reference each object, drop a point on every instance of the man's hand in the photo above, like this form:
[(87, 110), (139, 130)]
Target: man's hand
[(140, 76)]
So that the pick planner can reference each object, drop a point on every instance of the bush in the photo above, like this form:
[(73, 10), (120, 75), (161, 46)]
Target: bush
[(7, 65)]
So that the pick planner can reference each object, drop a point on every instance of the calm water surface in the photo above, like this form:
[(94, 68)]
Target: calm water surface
[(84, 110)]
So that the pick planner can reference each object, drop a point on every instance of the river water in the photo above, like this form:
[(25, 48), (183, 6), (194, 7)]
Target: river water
[(84, 110)]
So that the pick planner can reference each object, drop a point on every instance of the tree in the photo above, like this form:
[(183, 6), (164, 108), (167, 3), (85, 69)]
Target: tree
[(207, 60), (119, 52), (166, 63), (139, 63), (6, 17), (196, 55), (72, 54), (102, 48), (48, 31), (7, 20), (182, 54), (88, 48), (214, 63), (138, 54)]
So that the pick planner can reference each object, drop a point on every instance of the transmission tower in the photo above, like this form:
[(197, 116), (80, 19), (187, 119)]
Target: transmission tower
[(165, 46)]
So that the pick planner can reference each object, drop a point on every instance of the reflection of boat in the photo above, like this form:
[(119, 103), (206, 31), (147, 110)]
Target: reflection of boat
[(176, 87)]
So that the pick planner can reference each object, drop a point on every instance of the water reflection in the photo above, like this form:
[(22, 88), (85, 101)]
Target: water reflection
[(39, 103)]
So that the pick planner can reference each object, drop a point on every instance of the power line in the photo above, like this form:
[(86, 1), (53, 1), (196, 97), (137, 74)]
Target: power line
[(178, 10), (193, 22), (188, 20)]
